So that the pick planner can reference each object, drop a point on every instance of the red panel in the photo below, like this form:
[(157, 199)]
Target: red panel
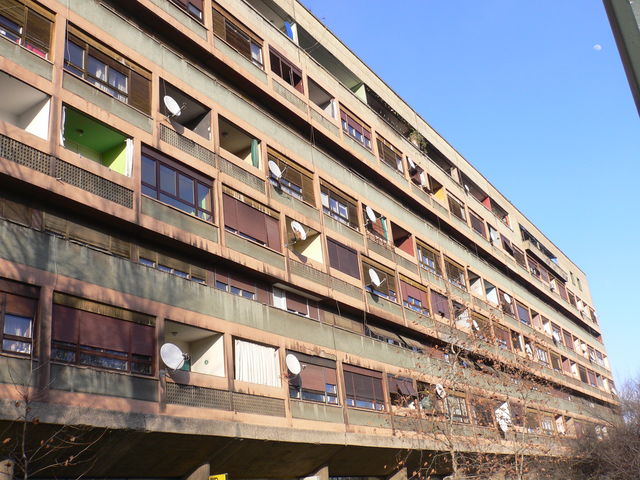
[(273, 232), (230, 210), (142, 339), (20, 305), (65, 324), (104, 332)]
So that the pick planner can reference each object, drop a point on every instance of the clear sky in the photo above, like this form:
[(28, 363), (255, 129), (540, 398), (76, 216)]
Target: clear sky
[(534, 95)]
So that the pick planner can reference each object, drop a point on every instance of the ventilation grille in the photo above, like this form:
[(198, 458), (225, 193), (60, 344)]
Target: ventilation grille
[(186, 145), (191, 396), (64, 171), (245, 177), (297, 268)]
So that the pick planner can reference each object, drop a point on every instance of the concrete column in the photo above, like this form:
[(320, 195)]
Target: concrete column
[(320, 474), (399, 475)]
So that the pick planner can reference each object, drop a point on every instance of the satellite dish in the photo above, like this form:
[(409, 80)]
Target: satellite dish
[(371, 215), (172, 356), (440, 391), (466, 188), (375, 279), (172, 106), (293, 364), (504, 426), (503, 416), (298, 230), (507, 297), (556, 337), (527, 348), (275, 170), (475, 325)]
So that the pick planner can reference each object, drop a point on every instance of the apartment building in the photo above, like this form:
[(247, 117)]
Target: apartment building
[(227, 246)]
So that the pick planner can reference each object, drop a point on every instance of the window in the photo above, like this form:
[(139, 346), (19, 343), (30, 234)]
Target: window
[(295, 180), (176, 185), (256, 363), (491, 292), (204, 349), (363, 387), (440, 304), (402, 393), (389, 154), (107, 70), (506, 303), (475, 284), (402, 239), (356, 129), (555, 362), (430, 403), (101, 336), (519, 256), (294, 303), (193, 7), (414, 296), (238, 142), (523, 313), (322, 98), (250, 219), (97, 141), (193, 115), (502, 337), (481, 327), (31, 116), (568, 339), (532, 422), (286, 70), (456, 408), (377, 228), (237, 35), (383, 335), (477, 223), (455, 274), (386, 287), (240, 285), (28, 24), (17, 317), (317, 382), (172, 265), (338, 207), (582, 372), (343, 258), (429, 259), (457, 208), (542, 355), (482, 412)]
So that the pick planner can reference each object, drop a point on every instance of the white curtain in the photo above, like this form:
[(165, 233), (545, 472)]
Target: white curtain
[(129, 157), (256, 363)]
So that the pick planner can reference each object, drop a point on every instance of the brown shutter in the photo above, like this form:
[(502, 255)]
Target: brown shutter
[(140, 92), (251, 222), (218, 24), (297, 303), (238, 40), (273, 231), (230, 210), (13, 10), (88, 235), (313, 378), (307, 190), (238, 282), (20, 305), (104, 332), (343, 258), (65, 324), (142, 339), (314, 311), (439, 304), (38, 31)]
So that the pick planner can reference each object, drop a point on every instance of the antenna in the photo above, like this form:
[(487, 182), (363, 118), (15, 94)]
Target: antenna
[(172, 106), (293, 364), (299, 232), (375, 279), (172, 356), (440, 391), (371, 215)]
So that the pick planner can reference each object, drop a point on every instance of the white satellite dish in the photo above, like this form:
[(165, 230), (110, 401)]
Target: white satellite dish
[(172, 106), (440, 391), (293, 364), (556, 337), (275, 170), (371, 215), (476, 327), (298, 230), (412, 165), (172, 356), (375, 279), (466, 188), (507, 297)]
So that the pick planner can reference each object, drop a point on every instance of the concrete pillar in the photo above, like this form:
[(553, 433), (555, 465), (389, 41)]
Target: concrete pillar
[(321, 474), (6, 469), (200, 473), (399, 475)]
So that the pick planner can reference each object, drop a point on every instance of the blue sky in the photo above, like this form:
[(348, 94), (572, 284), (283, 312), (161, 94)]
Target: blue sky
[(533, 94)]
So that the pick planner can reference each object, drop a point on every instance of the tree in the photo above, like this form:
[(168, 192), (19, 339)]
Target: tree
[(614, 453)]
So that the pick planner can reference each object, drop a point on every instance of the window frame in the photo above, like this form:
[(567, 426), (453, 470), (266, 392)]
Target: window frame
[(390, 290), (305, 192), (17, 29), (388, 154), (276, 57), (297, 390), (240, 30), (333, 195), (352, 399), (14, 338), (355, 128), (436, 268), (197, 181)]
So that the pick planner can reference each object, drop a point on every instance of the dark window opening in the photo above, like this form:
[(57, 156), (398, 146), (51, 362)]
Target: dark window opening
[(286, 70)]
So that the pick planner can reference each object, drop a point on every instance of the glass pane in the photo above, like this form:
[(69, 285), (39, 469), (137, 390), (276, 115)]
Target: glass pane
[(96, 68), (104, 362), (185, 188), (167, 180), (149, 191), (15, 346), (148, 171), (256, 53), (178, 204), (204, 197), (74, 54), (18, 326), (118, 80)]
